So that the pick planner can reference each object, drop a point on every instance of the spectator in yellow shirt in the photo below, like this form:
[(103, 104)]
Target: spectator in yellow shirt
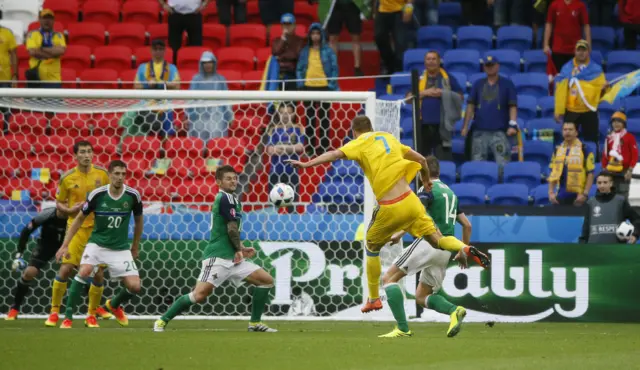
[(391, 22), (8, 66), (46, 47)]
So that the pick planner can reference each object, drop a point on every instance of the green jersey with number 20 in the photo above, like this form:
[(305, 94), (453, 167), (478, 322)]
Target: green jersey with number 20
[(442, 206)]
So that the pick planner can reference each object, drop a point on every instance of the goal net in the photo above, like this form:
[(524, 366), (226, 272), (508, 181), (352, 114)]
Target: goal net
[(172, 142)]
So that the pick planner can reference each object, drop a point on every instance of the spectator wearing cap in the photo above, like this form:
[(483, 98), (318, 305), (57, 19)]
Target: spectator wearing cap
[(184, 16), (239, 11), (286, 49), (629, 14), (620, 153), (567, 20), (45, 47), (493, 106), (391, 23), (272, 10), (579, 86)]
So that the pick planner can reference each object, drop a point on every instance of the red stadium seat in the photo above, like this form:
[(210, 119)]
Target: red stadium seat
[(159, 32), (57, 26), (131, 35), (99, 78), (196, 191), (37, 189), (77, 57), (127, 78), (305, 13), (214, 36), (231, 150), (142, 12), (253, 12), (249, 35), (189, 57), (28, 123), (252, 80), (112, 57), (262, 55), (210, 14), (236, 58), (72, 125), (54, 144), (276, 31), (69, 78), (143, 55), (184, 147), (186, 76), (154, 189), (8, 166), (106, 124), (141, 147), (103, 144), (105, 12), (23, 59), (182, 169), (66, 11), (234, 78), (15, 146), (87, 34), (137, 167)]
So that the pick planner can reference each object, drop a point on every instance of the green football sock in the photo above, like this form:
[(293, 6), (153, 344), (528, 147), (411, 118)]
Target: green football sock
[(439, 304), (123, 296), (74, 297), (260, 296), (396, 303), (181, 304)]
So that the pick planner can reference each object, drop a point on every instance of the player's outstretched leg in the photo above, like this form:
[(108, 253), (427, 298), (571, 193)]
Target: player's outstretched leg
[(263, 283), (95, 296), (395, 298), (427, 299), (453, 244), (130, 289), (198, 295), (21, 291)]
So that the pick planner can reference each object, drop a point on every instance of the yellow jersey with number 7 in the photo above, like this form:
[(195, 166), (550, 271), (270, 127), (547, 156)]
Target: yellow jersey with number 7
[(381, 157)]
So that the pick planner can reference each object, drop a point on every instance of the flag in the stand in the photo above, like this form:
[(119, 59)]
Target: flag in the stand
[(271, 75), (517, 145), (20, 195), (552, 72), (624, 87), (41, 174), (212, 164)]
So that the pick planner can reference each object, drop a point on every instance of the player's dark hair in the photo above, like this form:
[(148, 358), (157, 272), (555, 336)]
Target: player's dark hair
[(116, 163), (222, 170), (434, 166), (361, 124), (80, 143)]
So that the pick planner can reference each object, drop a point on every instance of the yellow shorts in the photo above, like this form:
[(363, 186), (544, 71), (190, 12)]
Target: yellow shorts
[(76, 247), (403, 213)]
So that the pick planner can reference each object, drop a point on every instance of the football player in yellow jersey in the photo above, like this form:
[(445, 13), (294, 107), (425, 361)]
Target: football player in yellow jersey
[(390, 167), (72, 193)]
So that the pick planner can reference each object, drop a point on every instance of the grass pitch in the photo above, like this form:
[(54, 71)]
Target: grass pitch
[(186, 345)]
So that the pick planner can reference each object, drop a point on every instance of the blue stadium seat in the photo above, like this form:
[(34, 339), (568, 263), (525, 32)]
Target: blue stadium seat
[(448, 172), (539, 152), (438, 38), (391, 97), (526, 173), (461, 78), (591, 146), (623, 61), (534, 84), (414, 59), (481, 172), (543, 129), (400, 83), (475, 37), (633, 126), (457, 150), (597, 168), (606, 110), (408, 142), (339, 192), (597, 57), (457, 129), (527, 107), (541, 195), (612, 76), (469, 194), (515, 37), (462, 60), (603, 128), (406, 125), (535, 61), (345, 171), (509, 60), (603, 38), (547, 106), (449, 14), (508, 195), (632, 107)]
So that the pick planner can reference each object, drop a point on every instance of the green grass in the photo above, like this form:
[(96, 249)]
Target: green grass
[(186, 345)]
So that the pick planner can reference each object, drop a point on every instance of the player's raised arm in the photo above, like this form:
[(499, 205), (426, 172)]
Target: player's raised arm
[(328, 157)]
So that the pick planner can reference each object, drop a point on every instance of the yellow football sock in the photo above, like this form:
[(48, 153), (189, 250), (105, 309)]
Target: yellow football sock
[(450, 243), (95, 295), (374, 270), (57, 292)]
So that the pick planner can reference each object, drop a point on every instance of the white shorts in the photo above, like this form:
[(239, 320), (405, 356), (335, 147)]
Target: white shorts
[(217, 270), (119, 263), (431, 262)]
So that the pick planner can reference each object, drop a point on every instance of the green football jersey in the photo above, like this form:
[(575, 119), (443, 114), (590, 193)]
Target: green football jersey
[(442, 206), (111, 227), (226, 208)]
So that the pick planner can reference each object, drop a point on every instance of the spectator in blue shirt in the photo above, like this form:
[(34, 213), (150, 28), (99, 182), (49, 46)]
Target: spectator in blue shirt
[(286, 141), (493, 106)]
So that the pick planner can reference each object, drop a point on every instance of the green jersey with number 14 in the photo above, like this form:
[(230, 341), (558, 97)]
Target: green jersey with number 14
[(111, 228), (442, 206)]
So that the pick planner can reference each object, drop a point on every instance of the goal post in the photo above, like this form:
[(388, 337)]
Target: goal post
[(172, 142)]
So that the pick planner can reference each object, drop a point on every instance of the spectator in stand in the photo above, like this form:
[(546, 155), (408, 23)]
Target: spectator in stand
[(629, 13), (512, 12), (426, 12), (272, 10), (474, 12), (317, 70), (566, 22), (620, 153), (440, 108), (286, 49), (209, 122), (493, 106), (576, 159), (8, 68), (601, 12), (347, 13), (46, 47), (239, 11), (286, 141), (391, 23), (184, 16)]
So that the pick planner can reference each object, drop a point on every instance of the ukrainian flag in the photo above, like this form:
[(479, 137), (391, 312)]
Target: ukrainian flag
[(271, 75), (20, 195), (41, 174), (624, 87), (579, 87)]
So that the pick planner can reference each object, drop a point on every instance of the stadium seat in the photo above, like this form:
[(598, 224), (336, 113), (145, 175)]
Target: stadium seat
[(189, 57), (231, 149), (448, 172), (131, 35), (508, 195), (87, 34), (106, 12), (633, 126), (406, 128), (214, 36), (248, 35), (534, 84), (538, 151), (59, 143), (104, 144), (37, 190), (234, 78), (262, 55), (143, 55), (509, 60), (145, 12), (547, 106), (475, 37), (236, 58), (603, 128), (77, 57), (603, 38), (339, 192), (606, 110), (461, 78), (470, 194), (623, 61), (481, 172), (153, 189), (66, 11), (527, 107), (474, 77), (113, 57), (449, 14), (210, 14), (543, 128), (71, 125), (141, 147), (252, 80), (16, 146), (414, 59), (99, 78), (632, 107), (400, 83), (526, 173), (305, 13), (535, 61), (186, 76), (515, 37), (161, 32), (184, 147), (461, 60), (25, 11), (69, 78), (343, 170), (596, 57), (540, 195), (30, 124), (128, 77), (276, 31), (438, 38)]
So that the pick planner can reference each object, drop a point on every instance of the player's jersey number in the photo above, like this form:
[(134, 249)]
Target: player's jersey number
[(450, 208), (114, 222), (130, 266), (385, 143)]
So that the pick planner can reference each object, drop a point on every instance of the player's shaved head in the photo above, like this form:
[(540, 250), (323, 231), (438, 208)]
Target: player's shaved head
[(434, 166), (361, 124)]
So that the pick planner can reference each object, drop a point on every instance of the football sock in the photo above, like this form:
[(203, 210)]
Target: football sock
[(57, 292), (260, 297), (450, 243), (374, 269), (395, 298), (123, 296), (440, 304), (77, 286), (95, 295), (181, 304), (20, 291)]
